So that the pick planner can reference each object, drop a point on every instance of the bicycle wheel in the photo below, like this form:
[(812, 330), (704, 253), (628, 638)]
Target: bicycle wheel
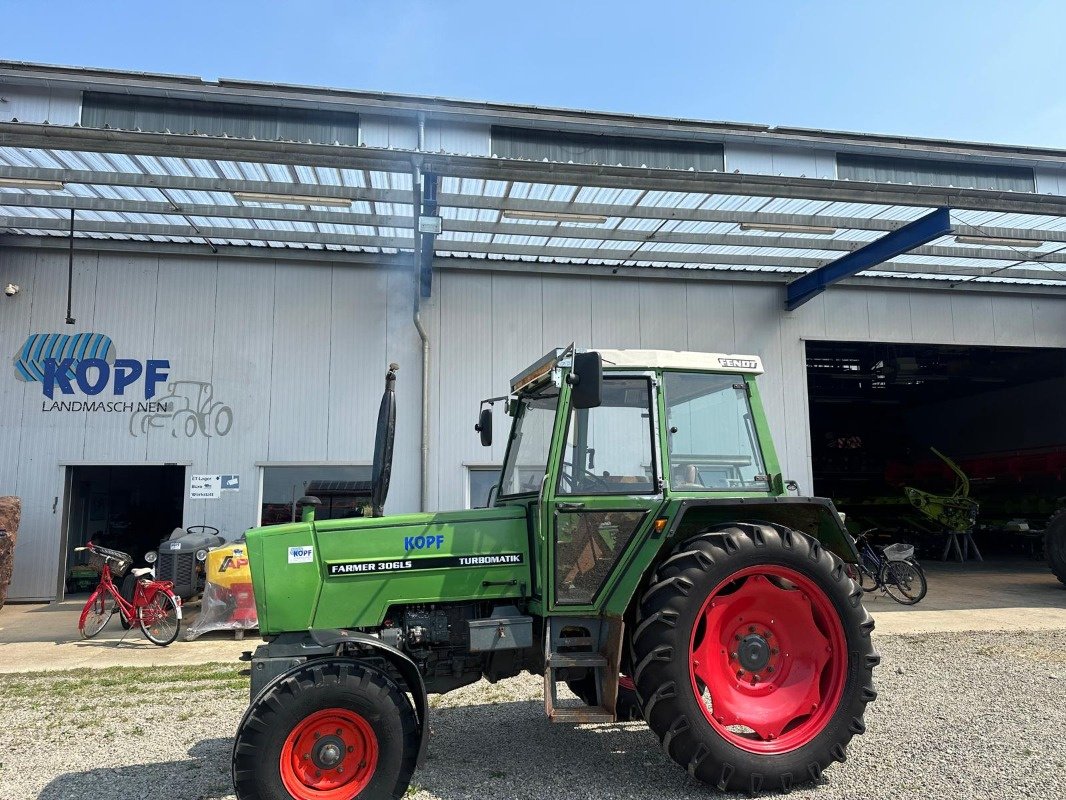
[(868, 570), (159, 619), (97, 612), (904, 581)]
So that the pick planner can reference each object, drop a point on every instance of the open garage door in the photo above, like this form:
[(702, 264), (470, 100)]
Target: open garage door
[(881, 413)]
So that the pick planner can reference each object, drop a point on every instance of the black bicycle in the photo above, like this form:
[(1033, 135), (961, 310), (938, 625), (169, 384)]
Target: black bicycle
[(892, 569)]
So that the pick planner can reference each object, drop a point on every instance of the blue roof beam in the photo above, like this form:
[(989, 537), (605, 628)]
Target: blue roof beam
[(902, 240)]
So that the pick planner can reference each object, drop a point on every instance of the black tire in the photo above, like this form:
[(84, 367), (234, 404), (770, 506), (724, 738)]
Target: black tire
[(323, 684), (668, 621), (904, 581), (1055, 544), (627, 707), (163, 630)]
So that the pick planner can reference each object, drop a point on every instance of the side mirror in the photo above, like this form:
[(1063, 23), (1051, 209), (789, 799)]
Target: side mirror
[(586, 380), (484, 426)]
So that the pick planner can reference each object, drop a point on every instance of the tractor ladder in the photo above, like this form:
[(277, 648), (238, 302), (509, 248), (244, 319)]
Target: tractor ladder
[(573, 645)]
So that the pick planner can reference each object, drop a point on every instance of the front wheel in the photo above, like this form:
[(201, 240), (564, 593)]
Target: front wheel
[(904, 581), (97, 612), (333, 729), (160, 619), (753, 657)]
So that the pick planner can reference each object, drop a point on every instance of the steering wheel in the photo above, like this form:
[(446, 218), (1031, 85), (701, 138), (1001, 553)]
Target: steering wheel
[(203, 529), (594, 480)]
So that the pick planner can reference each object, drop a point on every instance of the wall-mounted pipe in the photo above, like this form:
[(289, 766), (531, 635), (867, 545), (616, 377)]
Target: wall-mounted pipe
[(416, 208)]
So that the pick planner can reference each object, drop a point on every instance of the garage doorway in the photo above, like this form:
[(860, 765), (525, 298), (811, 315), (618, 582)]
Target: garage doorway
[(128, 508), (877, 409)]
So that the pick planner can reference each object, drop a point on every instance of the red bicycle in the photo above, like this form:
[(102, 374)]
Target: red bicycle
[(152, 605)]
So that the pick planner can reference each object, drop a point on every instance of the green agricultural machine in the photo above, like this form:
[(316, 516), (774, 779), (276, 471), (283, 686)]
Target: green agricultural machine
[(642, 547)]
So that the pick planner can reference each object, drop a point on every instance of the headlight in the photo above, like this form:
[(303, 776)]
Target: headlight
[(201, 555), (151, 556)]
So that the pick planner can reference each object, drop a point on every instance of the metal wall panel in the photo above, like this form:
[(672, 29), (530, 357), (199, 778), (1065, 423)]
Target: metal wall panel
[(40, 104), (239, 373), (380, 131), (790, 161), (296, 351), (299, 382), (472, 140), (465, 360), (141, 112)]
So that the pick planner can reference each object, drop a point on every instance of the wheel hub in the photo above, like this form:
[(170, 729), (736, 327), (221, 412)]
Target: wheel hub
[(753, 653), (328, 752)]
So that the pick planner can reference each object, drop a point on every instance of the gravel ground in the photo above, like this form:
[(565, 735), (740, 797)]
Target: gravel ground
[(959, 716)]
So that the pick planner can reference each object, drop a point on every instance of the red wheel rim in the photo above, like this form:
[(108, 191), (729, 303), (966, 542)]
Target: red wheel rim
[(768, 659), (329, 755)]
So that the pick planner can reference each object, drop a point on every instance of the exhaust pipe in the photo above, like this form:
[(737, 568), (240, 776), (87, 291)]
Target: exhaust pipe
[(384, 438)]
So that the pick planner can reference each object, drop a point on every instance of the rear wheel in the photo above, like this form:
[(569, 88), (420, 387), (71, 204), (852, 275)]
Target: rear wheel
[(159, 619), (904, 581), (97, 612), (1055, 544), (753, 657), (333, 729)]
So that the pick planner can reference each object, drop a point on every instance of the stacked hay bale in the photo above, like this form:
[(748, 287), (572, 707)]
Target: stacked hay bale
[(10, 511)]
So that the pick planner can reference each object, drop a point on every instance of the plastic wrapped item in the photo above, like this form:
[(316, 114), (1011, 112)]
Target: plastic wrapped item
[(228, 602)]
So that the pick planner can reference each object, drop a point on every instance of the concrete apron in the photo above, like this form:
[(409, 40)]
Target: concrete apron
[(1003, 596), (43, 637)]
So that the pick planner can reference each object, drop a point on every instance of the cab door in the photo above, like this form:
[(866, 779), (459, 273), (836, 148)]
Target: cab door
[(604, 492)]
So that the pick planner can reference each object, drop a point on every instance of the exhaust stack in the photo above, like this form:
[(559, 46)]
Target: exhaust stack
[(383, 441)]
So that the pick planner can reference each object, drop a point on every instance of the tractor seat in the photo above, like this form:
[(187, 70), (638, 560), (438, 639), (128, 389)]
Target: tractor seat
[(140, 572)]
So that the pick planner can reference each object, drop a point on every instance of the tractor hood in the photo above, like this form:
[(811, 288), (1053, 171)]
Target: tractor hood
[(346, 573)]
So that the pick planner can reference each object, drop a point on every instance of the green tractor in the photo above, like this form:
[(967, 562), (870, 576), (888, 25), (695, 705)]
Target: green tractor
[(642, 547)]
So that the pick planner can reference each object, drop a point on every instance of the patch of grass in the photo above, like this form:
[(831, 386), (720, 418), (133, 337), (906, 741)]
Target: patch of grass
[(126, 680)]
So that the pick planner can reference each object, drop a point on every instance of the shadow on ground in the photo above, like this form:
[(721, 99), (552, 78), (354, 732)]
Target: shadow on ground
[(205, 774)]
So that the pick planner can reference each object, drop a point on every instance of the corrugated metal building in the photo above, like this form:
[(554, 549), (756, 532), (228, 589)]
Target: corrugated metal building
[(260, 239)]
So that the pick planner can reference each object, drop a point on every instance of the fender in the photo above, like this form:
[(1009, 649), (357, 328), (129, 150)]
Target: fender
[(277, 659)]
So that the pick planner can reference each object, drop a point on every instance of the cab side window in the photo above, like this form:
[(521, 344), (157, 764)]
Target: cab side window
[(609, 448)]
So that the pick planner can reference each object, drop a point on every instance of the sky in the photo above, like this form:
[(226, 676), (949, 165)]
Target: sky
[(977, 70)]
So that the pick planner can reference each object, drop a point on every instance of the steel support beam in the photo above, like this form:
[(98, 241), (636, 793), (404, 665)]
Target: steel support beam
[(443, 246), (479, 167), (911, 235), (189, 183), (199, 232)]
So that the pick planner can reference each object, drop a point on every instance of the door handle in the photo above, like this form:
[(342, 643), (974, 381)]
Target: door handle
[(569, 506)]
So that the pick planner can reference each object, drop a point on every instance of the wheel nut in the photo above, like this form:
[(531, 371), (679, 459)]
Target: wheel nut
[(769, 669), (318, 774), (339, 731), (318, 735), (773, 651), (350, 748), (340, 770), (740, 673), (751, 629), (733, 656)]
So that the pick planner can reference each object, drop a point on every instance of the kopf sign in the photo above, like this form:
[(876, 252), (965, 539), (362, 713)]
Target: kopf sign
[(58, 373)]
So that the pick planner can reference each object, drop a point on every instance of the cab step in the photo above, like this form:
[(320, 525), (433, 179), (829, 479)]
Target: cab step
[(582, 715)]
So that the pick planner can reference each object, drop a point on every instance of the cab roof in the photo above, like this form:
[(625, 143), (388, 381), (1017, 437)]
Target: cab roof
[(645, 359)]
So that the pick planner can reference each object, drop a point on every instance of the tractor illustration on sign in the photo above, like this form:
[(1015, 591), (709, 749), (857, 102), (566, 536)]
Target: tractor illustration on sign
[(640, 547), (191, 409)]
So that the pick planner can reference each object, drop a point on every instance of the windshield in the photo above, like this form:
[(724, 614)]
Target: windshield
[(713, 444), (527, 455)]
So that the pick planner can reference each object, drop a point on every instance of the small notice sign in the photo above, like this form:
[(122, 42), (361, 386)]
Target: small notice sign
[(205, 487), (231, 483)]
